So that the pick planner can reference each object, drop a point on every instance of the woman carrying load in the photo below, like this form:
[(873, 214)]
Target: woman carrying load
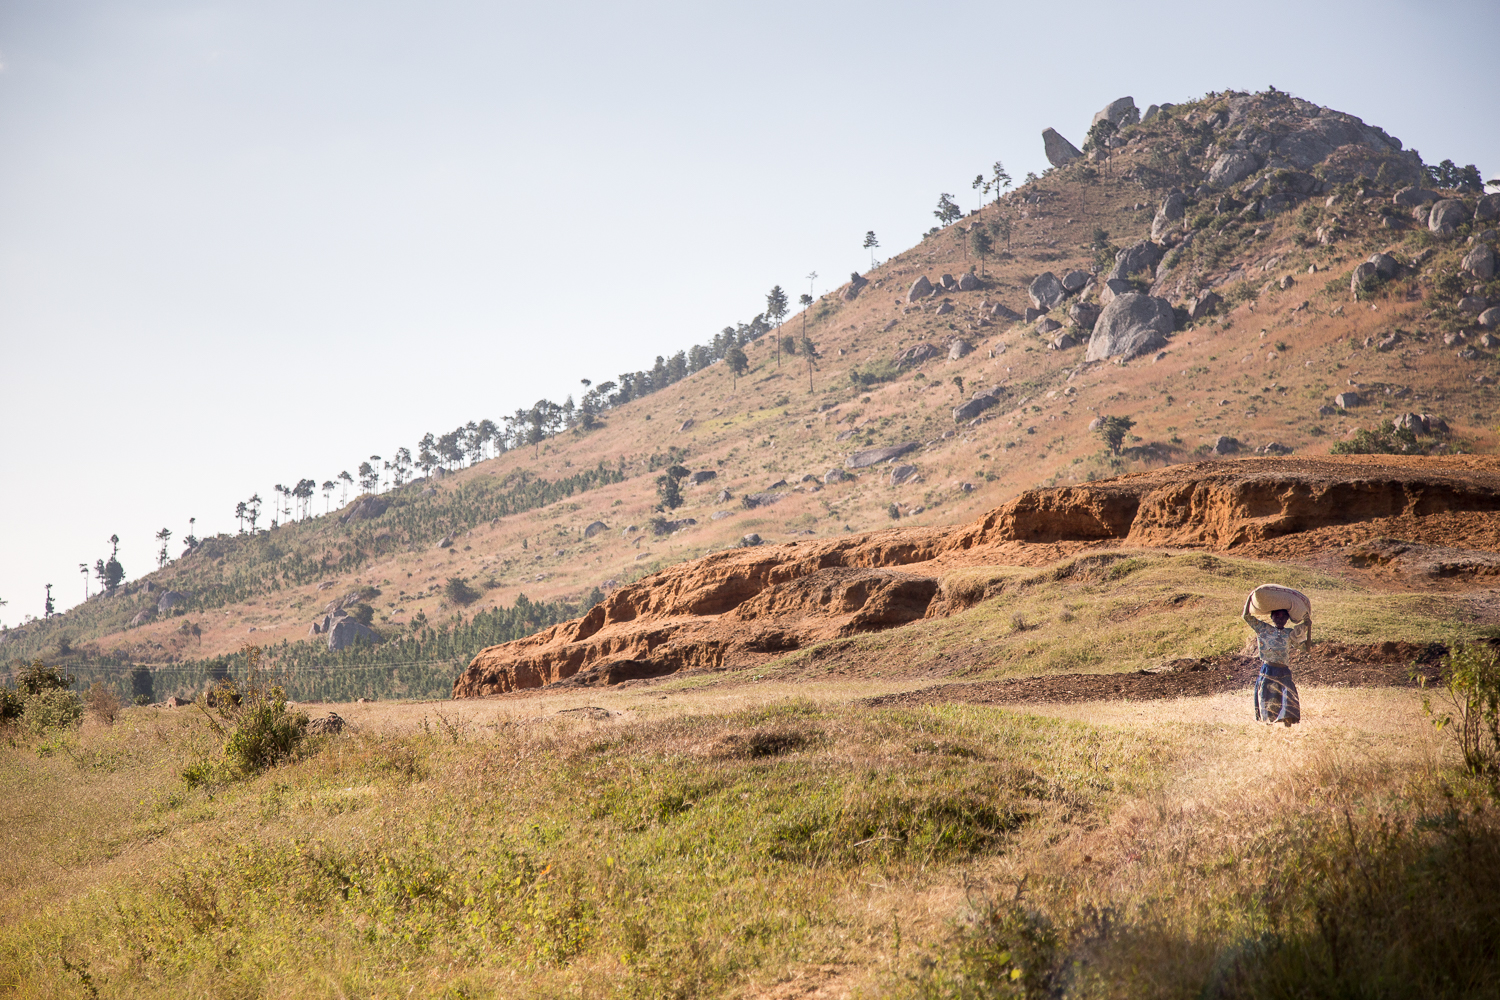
[(1275, 694)]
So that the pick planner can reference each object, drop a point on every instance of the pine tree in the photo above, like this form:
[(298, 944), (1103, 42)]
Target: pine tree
[(947, 212), (870, 244), (776, 305), (737, 362)]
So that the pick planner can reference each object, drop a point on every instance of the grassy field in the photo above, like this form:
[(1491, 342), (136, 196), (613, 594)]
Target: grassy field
[(1122, 610), (757, 840)]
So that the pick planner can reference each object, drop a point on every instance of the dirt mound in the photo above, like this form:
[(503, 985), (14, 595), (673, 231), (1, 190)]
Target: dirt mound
[(744, 606)]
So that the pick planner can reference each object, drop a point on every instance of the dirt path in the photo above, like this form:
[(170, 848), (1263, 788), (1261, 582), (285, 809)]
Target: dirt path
[(1331, 665)]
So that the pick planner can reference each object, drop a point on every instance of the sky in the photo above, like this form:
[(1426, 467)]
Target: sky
[(244, 243)]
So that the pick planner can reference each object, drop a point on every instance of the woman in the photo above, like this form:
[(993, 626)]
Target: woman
[(1275, 695)]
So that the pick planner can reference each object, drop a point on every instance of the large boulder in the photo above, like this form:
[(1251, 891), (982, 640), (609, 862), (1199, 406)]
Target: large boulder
[(1385, 265), (981, 401), (346, 631), (1110, 288), (1347, 400), (702, 476), (1205, 304), (365, 509), (1480, 262), (1120, 112), (1362, 273), (1488, 208), (1447, 215), (834, 476), (1083, 314), (1411, 197), (958, 349), (920, 289), (595, 528), (1490, 318), (1059, 150), (143, 616), (1132, 324), (967, 282), (903, 474), (1169, 215), (1233, 167), (170, 600), (916, 354), (1074, 281), (1142, 256), (1045, 291), (874, 456)]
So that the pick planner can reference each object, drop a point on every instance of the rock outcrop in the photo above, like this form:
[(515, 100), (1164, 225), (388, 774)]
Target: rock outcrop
[(874, 456), (1169, 216), (747, 605), (1060, 151), (365, 509), (1137, 258), (1045, 291), (1131, 325)]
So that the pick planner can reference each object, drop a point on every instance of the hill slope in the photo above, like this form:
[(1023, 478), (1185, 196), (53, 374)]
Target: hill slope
[(1278, 245)]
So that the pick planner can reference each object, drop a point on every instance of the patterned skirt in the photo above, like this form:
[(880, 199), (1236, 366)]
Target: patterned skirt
[(1276, 695)]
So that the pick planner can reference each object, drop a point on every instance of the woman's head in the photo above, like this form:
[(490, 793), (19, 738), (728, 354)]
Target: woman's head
[(1280, 617)]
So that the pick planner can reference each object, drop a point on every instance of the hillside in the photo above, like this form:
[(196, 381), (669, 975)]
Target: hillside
[(1262, 207)]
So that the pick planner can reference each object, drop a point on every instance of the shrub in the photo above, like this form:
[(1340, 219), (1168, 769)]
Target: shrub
[(362, 613), (258, 731), (54, 708), (873, 373), (457, 591), (41, 698), (102, 703), (1387, 439), (1470, 685)]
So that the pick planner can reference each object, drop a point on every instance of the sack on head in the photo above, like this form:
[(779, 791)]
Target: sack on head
[(1270, 597)]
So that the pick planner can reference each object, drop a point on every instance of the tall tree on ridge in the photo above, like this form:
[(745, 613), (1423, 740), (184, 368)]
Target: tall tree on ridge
[(870, 244), (805, 301), (947, 211), (1000, 181), (328, 487), (775, 310), (163, 536), (348, 481), (48, 608), (84, 569)]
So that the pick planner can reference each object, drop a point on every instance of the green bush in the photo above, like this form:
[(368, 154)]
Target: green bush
[(874, 373), (41, 699), (54, 708), (1470, 685), (1387, 439), (258, 730), (458, 592)]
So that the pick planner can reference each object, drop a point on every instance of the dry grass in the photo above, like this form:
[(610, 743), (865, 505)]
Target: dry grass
[(757, 840)]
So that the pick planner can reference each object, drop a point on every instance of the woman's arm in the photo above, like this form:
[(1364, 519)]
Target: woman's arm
[(1250, 619)]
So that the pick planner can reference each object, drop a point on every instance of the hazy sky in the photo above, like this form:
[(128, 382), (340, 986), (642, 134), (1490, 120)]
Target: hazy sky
[(243, 243)]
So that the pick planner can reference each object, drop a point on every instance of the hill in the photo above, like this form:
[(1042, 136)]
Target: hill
[(1253, 217)]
